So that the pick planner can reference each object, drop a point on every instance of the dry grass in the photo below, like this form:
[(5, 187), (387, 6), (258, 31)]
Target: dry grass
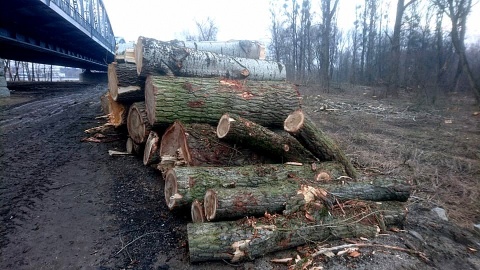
[(435, 148)]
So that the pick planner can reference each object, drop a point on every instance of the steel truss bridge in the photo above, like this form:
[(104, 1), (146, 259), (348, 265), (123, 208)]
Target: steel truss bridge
[(73, 33)]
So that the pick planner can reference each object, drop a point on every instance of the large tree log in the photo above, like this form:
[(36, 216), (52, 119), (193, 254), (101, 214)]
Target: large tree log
[(198, 145), (249, 238), (137, 123), (193, 100), (150, 154), (124, 84), (282, 147), (183, 185), (237, 48), (118, 112), (313, 139), (158, 57)]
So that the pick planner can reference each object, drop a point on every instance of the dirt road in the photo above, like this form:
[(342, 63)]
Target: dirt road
[(66, 204)]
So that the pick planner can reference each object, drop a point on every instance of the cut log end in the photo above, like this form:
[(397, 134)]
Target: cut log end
[(210, 202), (294, 121), (223, 126), (197, 212), (129, 145), (171, 189), (139, 54), (136, 125), (150, 155)]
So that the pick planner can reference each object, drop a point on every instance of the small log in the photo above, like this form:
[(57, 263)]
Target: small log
[(228, 204), (317, 142), (150, 154), (183, 185), (236, 48), (118, 112), (137, 123), (124, 84), (193, 100), (161, 58), (134, 148), (198, 145), (197, 212), (282, 147)]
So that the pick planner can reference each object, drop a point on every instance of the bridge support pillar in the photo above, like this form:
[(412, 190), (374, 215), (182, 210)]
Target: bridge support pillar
[(93, 77), (4, 92)]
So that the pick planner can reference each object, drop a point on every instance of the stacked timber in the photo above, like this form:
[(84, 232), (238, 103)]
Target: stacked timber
[(228, 135)]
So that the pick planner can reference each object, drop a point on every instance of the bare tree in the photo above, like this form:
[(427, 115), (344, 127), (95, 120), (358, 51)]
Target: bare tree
[(328, 11), (207, 30)]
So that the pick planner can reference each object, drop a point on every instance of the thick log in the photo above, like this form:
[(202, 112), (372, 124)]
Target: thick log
[(198, 145), (317, 142), (150, 154), (281, 147), (250, 238), (124, 84), (137, 123), (197, 212), (228, 203), (183, 185), (157, 57), (237, 48), (235, 241), (193, 100)]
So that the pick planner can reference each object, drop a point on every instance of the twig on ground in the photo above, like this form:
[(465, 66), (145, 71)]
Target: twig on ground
[(133, 241)]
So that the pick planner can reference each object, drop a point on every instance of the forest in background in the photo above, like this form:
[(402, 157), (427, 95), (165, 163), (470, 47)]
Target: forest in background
[(420, 49)]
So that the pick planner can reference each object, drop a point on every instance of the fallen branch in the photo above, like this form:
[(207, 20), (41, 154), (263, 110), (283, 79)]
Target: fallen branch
[(133, 241)]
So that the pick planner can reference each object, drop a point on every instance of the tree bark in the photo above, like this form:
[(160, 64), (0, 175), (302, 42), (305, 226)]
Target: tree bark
[(124, 84), (150, 154), (193, 100), (183, 185), (137, 123), (162, 58), (198, 145), (236, 48), (228, 204), (279, 146), (313, 139), (235, 241)]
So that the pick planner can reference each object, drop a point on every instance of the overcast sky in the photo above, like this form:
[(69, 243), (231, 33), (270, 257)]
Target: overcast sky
[(246, 19)]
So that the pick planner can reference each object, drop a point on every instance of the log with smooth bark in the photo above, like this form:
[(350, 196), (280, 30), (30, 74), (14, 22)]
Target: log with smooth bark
[(281, 146), (183, 185), (137, 123), (194, 100), (157, 57), (237, 48), (124, 84), (198, 145), (315, 140), (150, 154), (235, 241)]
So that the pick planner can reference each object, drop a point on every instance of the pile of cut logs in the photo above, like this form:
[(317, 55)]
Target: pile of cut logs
[(230, 138)]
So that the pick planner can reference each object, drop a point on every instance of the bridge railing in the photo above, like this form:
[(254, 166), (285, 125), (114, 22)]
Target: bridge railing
[(101, 31)]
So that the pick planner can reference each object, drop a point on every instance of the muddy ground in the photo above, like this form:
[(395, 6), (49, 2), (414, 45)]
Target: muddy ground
[(67, 204)]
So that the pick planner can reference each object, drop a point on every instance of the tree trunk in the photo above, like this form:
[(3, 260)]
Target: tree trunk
[(197, 212), (124, 84), (193, 100), (235, 241), (198, 145), (150, 154), (232, 203), (280, 146), (157, 57), (236, 48), (313, 139), (183, 185), (137, 123)]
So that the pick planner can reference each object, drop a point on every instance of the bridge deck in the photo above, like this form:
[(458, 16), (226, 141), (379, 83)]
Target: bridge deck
[(46, 32)]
